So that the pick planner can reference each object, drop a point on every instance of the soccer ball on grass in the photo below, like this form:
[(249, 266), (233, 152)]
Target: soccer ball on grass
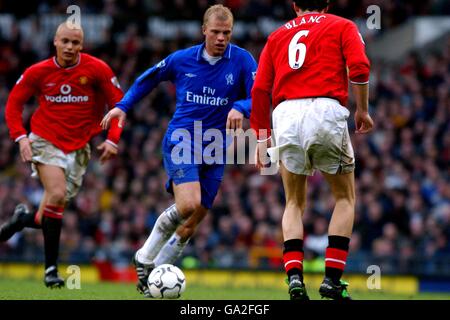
[(166, 281)]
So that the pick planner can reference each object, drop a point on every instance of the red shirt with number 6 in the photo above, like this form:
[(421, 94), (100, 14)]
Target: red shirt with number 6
[(312, 55)]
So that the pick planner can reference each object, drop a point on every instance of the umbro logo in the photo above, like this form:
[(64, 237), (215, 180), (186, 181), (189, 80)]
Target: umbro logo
[(190, 75), (161, 64), (20, 79)]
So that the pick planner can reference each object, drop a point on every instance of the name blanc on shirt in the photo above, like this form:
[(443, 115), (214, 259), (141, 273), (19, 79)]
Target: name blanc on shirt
[(310, 19)]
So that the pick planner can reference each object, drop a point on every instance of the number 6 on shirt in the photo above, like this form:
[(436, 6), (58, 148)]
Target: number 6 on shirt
[(297, 50)]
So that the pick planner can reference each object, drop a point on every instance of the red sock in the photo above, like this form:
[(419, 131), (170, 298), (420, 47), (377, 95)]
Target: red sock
[(335, 260), (54, 212), (293, 259), (36, 218)]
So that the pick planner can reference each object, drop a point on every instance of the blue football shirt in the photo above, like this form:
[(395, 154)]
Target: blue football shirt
[(204, 92)]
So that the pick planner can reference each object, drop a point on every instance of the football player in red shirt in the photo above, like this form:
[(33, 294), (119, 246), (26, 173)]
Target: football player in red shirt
[(305, 66), (73, 89)]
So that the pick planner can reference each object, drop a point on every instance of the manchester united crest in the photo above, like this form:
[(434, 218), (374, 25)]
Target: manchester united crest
[(83, 80)]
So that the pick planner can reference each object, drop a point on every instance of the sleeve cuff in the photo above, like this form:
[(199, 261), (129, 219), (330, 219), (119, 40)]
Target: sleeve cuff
[(241, 106), (20, 138), (355, 82), (236, 107), (112, 143), (122, 107), (263, 140)]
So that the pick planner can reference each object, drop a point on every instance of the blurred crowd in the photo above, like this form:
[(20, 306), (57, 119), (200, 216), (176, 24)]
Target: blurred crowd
[(402, 168), (396, 12)]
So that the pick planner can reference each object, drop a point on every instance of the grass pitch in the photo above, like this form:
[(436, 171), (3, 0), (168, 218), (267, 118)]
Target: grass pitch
[(14, 289)]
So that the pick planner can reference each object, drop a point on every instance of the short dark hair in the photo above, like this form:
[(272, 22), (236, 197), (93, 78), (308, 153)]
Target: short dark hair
[(312, 4)]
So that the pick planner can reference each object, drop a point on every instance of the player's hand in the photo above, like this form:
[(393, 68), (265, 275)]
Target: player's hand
[(25, 149), (109, 151), (363, 122), (234, 120), (113, 113), (261, 157)]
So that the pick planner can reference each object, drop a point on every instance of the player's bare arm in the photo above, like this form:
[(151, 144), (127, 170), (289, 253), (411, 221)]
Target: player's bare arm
[(261, 157), (113, 113), (108, 150), (234, 120), (363, 121), (25, 149)]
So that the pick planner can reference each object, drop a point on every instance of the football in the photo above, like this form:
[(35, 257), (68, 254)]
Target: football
[(166, 282)]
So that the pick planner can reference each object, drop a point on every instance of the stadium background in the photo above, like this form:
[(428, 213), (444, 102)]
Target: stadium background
[(403, 175)]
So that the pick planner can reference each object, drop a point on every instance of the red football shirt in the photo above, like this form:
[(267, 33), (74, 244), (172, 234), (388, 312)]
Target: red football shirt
[(71, 101), (308, 57)]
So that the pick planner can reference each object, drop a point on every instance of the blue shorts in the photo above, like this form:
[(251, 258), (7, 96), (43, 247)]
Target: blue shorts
[(209, 175)]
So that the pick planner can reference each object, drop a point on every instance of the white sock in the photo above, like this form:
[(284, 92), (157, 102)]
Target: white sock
[(171, 250), (164, 226)]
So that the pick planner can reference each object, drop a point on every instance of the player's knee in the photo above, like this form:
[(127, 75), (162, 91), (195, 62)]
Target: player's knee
[(200, 214), (345, 196), (57, 197), (297, 204), (186, 231), (348, 202), (188, 207)]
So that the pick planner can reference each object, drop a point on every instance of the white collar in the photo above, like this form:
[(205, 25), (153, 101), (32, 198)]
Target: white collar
[(211, 59)]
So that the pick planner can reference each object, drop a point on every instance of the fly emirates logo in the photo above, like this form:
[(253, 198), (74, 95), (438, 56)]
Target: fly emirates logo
[(207, 97), (66, 97)]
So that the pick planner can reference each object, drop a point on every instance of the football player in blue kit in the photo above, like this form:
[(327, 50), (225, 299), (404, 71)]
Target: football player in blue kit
[(213, 83)]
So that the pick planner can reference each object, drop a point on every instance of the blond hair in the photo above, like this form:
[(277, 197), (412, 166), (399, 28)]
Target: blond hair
[(221, 12)]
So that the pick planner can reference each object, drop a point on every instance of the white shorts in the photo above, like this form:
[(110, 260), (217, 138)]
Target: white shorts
[(74, 163), (312, 134)]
